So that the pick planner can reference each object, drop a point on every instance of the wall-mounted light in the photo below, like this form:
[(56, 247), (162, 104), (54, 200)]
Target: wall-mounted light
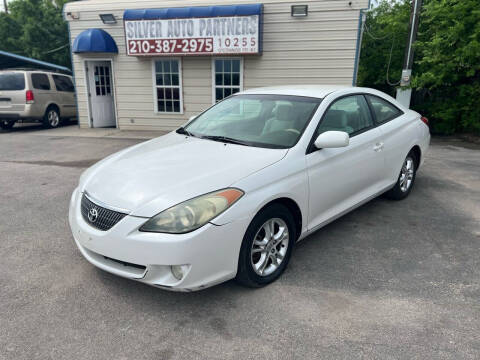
[(72, 15), (108, 18), (299, 10)]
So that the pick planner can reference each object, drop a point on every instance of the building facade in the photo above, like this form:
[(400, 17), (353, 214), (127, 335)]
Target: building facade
[(151, 65)]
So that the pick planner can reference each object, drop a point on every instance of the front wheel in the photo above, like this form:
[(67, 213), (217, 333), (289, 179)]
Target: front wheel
[(6, 125), (406, 179), (266, 247)]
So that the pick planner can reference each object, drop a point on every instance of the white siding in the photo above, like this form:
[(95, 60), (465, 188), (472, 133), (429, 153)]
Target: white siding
[(318, 49)]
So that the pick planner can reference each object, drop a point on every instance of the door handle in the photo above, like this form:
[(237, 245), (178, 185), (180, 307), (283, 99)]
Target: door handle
[(378, 146)]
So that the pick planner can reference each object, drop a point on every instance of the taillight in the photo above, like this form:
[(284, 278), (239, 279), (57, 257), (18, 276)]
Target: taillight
[(29, 97), (424, 119)]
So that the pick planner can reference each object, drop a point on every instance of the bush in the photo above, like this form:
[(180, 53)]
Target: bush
[(446, 70)]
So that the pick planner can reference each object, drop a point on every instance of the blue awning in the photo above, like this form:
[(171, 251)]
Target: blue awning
[(96, 41), (193, 12)]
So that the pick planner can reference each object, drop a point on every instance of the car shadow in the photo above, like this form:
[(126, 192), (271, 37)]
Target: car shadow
[(33, 127)]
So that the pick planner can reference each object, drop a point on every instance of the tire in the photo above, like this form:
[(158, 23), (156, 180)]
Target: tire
[(6, 125), (51, 119), (406, 179), (256, 267)]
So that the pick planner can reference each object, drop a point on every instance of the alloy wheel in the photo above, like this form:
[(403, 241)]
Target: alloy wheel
[(406, 174), (53, 118), (269, 246)]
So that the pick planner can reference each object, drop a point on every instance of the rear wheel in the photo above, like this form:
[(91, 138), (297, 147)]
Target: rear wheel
[(51, 118), (6, 125), (266, 247), (406, 179)]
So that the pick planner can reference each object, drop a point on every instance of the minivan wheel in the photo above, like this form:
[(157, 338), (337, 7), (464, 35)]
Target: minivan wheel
[(405, 180), (6, 125), (266, 247), (51, 118)]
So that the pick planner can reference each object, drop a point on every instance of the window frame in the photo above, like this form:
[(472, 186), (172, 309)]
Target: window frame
[(374, 115), (214, 86), (155, 86), (48, 80)]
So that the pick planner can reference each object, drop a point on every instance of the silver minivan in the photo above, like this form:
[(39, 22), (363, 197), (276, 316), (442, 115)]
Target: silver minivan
[(36, 95)]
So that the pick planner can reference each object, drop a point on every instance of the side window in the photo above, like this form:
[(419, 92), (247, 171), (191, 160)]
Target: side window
[(349, 114), (384, 111), (40, 81), (228, 75), (63, 83)]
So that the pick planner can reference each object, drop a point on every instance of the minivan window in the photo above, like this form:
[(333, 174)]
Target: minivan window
[(40, 81), (12, 81), (63, 83)]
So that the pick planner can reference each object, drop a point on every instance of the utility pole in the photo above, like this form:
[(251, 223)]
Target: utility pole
[(5, 6), (403, 96)]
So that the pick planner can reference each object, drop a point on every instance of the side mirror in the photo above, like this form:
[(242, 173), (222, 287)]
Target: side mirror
[(332, 139)]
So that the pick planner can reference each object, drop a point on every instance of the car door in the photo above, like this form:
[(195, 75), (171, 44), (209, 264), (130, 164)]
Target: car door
[(65, 95), (339, 178), (42, 90), (397, 130)]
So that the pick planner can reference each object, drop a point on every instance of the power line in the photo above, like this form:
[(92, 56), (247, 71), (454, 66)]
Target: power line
[(54, 50)]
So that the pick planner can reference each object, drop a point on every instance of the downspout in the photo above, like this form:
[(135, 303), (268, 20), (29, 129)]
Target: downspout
[(361, 20), (71, 63)]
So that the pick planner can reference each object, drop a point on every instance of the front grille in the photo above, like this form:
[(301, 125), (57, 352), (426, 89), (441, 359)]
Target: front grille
[(99, 217)]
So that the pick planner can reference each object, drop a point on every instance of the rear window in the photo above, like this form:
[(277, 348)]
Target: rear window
[(12, 81), (40, 81), (63, 83), (384, 111)]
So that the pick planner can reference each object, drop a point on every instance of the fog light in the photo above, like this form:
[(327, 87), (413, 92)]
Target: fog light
[(179, 271)]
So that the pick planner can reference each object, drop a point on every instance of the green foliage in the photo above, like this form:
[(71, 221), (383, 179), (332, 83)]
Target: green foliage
[(446, 70), (35, 27), (385, 31)]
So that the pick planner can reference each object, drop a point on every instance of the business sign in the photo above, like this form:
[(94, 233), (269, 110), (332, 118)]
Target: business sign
[(195, 36)]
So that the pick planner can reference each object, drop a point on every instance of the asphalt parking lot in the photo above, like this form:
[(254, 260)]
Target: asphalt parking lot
[(391, 280)]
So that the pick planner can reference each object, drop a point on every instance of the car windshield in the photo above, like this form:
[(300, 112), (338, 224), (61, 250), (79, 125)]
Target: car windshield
[(274, 121), (12, 81)]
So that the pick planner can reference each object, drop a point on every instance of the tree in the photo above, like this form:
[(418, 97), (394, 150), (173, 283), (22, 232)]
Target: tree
[(383, 45), (446, 70), (448, 63), (35, 27)]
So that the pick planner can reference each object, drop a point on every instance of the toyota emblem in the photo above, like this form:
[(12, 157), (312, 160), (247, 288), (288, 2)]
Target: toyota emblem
[(93, 215)]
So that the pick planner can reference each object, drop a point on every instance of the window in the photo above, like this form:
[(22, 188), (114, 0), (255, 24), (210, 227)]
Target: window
[(228, 74), (349, 114), (102, 79), (272, 121), (384, 111), (12, 81), (168, 90), (40, 81), (64, 83)]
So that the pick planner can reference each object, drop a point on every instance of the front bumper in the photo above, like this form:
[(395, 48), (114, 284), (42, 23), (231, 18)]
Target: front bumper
[(211, 251)]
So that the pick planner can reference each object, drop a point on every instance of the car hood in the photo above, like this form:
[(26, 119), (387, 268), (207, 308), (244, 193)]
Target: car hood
[(150, 177)]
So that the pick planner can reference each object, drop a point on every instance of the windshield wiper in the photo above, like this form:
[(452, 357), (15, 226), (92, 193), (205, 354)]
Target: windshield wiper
[(226, 139)]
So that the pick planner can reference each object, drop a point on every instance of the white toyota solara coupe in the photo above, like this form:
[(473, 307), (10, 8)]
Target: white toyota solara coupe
[(229, 194)]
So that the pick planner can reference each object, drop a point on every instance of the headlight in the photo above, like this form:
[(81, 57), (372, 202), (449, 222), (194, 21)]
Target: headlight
[(193, 213)]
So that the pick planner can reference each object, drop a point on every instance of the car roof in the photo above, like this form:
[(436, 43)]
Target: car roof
[(30, 70), (317, 91)]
